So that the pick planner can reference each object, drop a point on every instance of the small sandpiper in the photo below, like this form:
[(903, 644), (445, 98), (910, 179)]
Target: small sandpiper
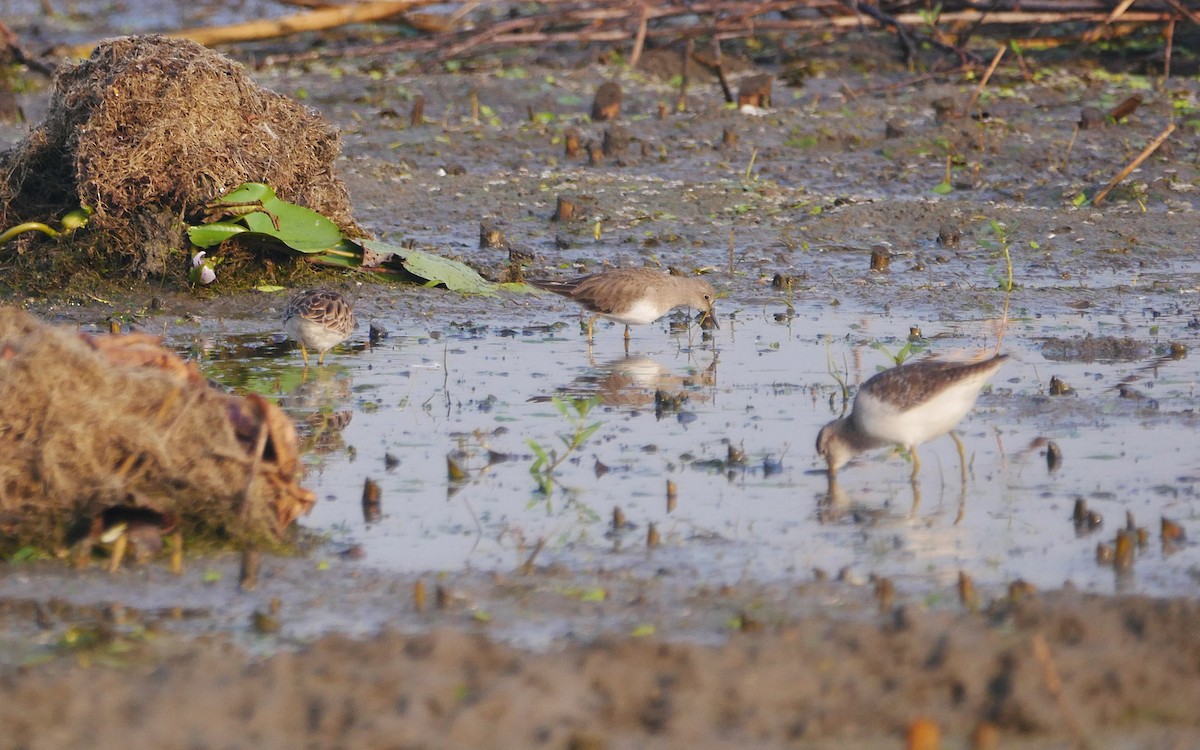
[(319, 319), (634, 296), (906, 406)]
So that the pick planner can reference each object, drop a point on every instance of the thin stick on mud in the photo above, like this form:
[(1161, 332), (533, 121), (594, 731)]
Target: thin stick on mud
[(1070, 146), (527, 566), (720, 68), (1146, 152), (688, 48), (639, 41), (1041, 652), (987, 74)]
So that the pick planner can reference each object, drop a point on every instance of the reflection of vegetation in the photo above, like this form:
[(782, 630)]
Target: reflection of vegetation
[(547, 461)]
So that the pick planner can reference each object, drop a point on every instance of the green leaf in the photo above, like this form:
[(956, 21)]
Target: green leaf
[(269, 288), (540, 452), (643, 630), (299, 228), (943, 188), (207, 235), (586, 433), (25, 554), (455, 276)]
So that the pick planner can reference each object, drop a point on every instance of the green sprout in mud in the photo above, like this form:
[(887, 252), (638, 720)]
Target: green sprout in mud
[(1004, 244), (910, 348), (71, 221), (546, 462)]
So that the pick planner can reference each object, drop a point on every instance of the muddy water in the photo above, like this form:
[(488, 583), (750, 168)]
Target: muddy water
[(752, 501), (806, 191)]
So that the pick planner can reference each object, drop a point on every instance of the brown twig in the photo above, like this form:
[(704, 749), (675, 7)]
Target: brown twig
[(316, 20), (1094, 33), (608, 21), (720, 68), (986, 75), (1186, 12), (640, 40), (1146, 152)]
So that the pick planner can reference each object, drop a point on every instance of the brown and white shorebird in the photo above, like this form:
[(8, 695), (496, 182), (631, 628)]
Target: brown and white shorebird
[(318, 319), (906, 406), (634, 296)]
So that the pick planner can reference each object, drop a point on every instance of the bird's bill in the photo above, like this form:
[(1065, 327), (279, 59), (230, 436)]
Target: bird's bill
[(711, 317)]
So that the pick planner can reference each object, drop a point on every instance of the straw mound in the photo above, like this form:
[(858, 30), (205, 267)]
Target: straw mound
[(89, 424), (151, 127)]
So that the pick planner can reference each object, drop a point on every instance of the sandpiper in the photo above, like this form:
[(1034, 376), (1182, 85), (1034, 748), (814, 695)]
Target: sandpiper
[(906, 406), (634, 295), (319, 319)]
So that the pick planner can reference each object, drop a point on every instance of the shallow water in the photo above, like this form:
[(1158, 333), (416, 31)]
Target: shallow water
[(762, 386)]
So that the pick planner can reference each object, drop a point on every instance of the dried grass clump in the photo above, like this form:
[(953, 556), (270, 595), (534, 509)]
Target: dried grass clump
[(149, 127), (89, 424)]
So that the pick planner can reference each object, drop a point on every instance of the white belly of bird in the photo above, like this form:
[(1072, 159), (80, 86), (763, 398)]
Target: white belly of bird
[(919, 424), (640, 313), (313, 335)]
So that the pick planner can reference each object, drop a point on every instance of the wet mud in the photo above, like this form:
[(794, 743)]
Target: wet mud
[(736, 600)]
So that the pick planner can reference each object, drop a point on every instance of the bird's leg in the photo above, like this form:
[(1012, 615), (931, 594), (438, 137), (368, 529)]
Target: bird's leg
[(962, 456), (320, 359), (591, 324), (627, 333), (916, 505), (304, 354), (118, 553), (916, 463)]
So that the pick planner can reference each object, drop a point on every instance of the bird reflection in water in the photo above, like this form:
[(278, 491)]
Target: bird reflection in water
[(636, 382), (319, 406)]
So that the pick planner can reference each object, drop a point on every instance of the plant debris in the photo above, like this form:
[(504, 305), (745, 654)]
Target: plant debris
[(91, 424), (149, 130)]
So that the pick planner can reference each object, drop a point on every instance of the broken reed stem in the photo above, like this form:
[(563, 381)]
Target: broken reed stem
[(1070, 146), (987, 74), (1094, 33), (527, 566), (688, 47), (1146, 152), (720, 68), (639, 40)]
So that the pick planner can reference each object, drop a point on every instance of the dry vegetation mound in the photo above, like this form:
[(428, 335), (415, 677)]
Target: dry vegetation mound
[(148, 130), (98, 430)]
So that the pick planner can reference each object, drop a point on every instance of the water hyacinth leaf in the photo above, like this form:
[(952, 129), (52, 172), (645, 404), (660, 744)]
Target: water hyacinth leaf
[(455, 276), (257, 207), (207, 235)]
